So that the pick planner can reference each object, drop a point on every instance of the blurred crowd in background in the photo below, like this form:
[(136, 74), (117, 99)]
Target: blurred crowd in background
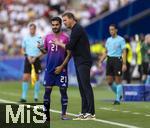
[(15, 15)]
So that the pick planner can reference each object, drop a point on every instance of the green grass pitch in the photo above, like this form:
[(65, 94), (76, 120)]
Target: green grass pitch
[(126, 115)]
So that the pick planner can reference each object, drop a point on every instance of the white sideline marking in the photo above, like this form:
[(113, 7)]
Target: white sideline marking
[(136, 113), (71, 114), (124, 111), (147, 115)]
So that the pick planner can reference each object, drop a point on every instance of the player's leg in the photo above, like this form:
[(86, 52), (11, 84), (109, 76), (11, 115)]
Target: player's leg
[(62, 82), (119, 89), (145, 67), (64, 102), (128, 73), (48, 82), (26, 79), (47, 101), (37, 66), (148, 75), (118, 80), (111, 83), (36, 88), (25, 84), (110, 74)]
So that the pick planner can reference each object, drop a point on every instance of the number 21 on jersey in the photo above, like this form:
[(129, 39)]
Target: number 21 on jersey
[(54, 47)]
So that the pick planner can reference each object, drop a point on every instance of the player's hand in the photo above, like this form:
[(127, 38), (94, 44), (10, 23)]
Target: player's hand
[(57, 42), (58, 69), (33, 59), (30, 59), (38, 45), (124, 67)]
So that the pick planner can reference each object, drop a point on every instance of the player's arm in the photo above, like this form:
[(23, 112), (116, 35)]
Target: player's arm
[(24, 53), (23, 50), (42, 48), (41, 54), (66, 60), (124, 55)]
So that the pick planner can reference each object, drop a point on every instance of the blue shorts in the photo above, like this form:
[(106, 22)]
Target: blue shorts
[(51, 79)]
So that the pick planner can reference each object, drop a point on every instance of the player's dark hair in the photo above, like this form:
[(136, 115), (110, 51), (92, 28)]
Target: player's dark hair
[(113, 25), (32, 25), (56, 19), (69, 15)]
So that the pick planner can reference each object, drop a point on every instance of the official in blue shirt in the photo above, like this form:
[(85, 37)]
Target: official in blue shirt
[(116, 62), (31, 51)]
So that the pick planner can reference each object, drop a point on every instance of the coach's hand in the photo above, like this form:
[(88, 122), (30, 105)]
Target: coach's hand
[(58, 69), (124, 67)]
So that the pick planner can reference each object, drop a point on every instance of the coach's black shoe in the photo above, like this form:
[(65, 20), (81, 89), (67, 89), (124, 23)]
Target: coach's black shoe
[(22, 101), (35, 100), (116, 102)]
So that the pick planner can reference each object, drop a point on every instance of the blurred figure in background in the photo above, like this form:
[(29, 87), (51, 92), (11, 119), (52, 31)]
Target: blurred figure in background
[(145, 50), (116, 62), (138, 56), (127, 74), (31, 52)]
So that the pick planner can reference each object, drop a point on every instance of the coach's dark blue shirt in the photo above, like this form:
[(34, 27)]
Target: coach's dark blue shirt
[(79, 45)]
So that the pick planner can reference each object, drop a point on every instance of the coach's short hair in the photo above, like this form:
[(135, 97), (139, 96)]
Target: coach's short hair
[(56, 19), (69, 15)]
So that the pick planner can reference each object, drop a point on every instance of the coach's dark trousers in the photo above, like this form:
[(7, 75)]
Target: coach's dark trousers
[(86, 92)]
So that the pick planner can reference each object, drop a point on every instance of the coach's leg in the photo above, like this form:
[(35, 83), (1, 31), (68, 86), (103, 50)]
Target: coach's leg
[(47, 94), (26, 78), (84, 103), (36, 88), (84, 75), (64, 100)]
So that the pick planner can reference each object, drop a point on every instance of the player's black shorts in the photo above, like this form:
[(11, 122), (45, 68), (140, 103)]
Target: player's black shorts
[(37, 66), (114, 66), (145, 68)]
